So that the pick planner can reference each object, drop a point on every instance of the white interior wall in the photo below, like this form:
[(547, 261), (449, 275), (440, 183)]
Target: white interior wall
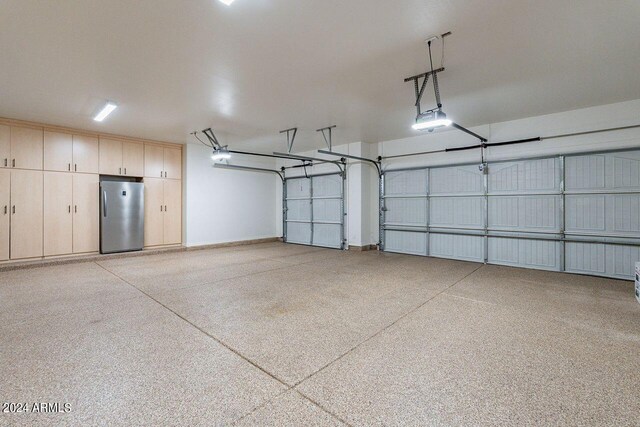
[(226, 205)]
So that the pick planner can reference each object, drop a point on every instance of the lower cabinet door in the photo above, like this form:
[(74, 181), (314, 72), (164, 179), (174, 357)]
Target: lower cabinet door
[(5, 205), (58, 217), (172, 212), (26, 214), (86, 213), (153, 211)]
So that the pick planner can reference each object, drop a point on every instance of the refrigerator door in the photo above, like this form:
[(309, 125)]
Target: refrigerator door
[(121, 216)]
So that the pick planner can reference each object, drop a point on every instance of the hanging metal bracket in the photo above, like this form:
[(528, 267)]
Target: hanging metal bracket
[(291, 137), (327, 136)]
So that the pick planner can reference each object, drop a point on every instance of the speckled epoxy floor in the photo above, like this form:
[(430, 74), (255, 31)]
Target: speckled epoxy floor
[(275, 334)]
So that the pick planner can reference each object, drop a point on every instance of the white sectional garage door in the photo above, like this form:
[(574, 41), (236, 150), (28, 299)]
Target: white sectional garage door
[(578, 213), (314, 211)]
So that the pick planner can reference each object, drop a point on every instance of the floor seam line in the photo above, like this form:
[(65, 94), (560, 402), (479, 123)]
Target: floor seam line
[(236, 352), (387, 327), (318, 405)]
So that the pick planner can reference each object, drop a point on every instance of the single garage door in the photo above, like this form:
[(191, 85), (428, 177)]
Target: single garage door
[(314, 211), (577, 213)]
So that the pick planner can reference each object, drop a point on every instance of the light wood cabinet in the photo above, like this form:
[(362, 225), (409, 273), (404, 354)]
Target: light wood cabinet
[(162, 212), (153, 161), (86, 213), (153, 211), (121, 158), (58, 218), (172, 212), (162, 162), (85, 154), (5, 201), (58, 151), (5, 146), (132, 159), (110, 156), (173, 163), (26, 214), (26, 148)]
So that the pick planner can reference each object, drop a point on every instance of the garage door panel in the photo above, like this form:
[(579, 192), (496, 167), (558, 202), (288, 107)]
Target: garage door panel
[(598, 172), (607, 214), (297, 188), (403, 183), (406, 242), (327, 235), (526, 253), (602, 259), (462, 212), (327, 186), (456, 180), (299, 210), (327, 209), (469, 248), (526, 176), (299, 232), (525, 213), (406, 211)]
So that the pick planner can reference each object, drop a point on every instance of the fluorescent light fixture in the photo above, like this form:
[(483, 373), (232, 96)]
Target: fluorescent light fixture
[(106, 110), (431, 120), (220, 154), (227, 2)]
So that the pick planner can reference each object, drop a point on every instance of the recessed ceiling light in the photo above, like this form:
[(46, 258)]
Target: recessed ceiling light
[(106, 110), (227, 2)]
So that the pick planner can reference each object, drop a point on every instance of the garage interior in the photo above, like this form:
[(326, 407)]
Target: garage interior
[(243, 212)]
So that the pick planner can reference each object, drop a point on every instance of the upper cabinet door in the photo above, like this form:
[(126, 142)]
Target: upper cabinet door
[(5, 146), (58, 151), (153, 161), (173, 163), (110, 157), (26, 148), (85, 154), (133, 159)]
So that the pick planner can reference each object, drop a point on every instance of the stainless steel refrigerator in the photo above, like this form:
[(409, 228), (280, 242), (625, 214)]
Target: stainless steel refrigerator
[(121, 216)]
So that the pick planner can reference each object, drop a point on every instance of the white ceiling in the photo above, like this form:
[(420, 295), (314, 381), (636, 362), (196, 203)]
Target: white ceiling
[(258, 66)]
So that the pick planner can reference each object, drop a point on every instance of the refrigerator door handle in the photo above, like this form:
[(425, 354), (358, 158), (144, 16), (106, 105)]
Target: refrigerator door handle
[(104, 203)]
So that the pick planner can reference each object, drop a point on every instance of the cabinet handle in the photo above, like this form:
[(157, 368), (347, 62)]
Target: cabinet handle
[(165, 208), (119, 171), (14, 163), (5, 209), (75, 209), (125, 171), (69, 208), (165, 174), (6, 162), (69, 167), (13, 209), (160, 208), (75, 167), (160, 174)]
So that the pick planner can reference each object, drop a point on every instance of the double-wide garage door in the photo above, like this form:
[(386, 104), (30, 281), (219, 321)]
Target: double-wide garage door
[(314, 211), (578, 213)]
